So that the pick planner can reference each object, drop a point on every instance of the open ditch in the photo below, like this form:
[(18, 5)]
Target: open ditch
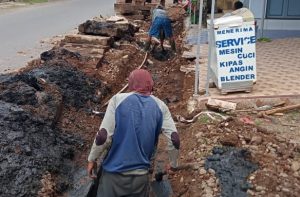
[(47, 123)]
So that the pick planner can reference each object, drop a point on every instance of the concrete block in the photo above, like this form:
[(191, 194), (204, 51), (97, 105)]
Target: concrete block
[(88, 39), (84, 46)]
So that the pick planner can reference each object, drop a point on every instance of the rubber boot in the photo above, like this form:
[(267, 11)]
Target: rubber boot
[(173, 46)]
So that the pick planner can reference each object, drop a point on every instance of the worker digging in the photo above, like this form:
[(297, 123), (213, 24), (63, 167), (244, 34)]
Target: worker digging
[(160, 28), (128, 136), (100, 114)]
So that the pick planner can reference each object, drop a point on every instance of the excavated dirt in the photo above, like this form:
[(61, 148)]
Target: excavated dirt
[(275, 155), (103, 28), (48, 125), (37, 155), (232, 169), (31, 148)]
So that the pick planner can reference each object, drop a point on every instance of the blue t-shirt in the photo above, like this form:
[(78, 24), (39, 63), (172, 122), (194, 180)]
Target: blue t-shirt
[(138, 124), (133, 123)]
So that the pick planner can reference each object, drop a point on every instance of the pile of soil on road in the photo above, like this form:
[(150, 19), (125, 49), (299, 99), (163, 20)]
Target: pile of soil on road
[(111, 29), (276, 156), (60, 95), (77, 89), (55, 97), (37, 156), (31, 148), (59, 53)]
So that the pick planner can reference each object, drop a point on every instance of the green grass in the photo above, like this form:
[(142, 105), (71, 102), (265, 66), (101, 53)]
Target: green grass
[(258, 122), (293, 115), (35, 1), (204, 119), (264, 39)]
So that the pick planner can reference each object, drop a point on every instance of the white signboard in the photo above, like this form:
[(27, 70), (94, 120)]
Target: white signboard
[(236, 55)]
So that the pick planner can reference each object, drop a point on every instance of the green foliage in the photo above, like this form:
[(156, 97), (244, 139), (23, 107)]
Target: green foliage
[(258, 122), (263, 39), (35, 1), (204, 119)]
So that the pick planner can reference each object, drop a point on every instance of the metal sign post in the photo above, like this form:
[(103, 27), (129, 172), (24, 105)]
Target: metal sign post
[(211, 32), (190, 14), (197, 69), (262, 24)]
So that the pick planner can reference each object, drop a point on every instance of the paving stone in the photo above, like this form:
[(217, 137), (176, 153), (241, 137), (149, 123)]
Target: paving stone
[(278, 70)]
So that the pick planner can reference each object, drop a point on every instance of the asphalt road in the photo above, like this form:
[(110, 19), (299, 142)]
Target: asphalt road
[(22, 29)]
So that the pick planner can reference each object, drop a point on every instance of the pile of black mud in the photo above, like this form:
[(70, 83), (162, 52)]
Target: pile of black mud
[(31, 144), (59, 53), (30, 148), (162, 55), (232, 169), (75, 87), (124, 31)]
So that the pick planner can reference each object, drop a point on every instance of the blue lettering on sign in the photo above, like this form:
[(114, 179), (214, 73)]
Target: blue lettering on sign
[(225, 31), (252, 40), (230, 51), (244, 29), (241, 69), (229, 43), (237, 78), (235, 42), (246, 55), (231, 63)]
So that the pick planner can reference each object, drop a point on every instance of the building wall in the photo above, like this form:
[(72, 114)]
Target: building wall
[(259, 9), (225, 4)]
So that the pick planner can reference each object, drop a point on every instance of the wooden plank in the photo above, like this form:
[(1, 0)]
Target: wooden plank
[(279, 110)]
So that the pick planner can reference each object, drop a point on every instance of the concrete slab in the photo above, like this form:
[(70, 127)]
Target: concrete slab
[(88, 39), (192, 35)]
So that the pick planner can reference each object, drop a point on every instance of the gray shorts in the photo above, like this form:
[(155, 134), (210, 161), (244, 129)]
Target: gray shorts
[(117, 185)]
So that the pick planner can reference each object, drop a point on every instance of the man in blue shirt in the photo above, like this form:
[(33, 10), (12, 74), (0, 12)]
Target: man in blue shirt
[(161, 28), (130, 129)]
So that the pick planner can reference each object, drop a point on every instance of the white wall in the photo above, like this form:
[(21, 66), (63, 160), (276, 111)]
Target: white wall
[(257, 7)]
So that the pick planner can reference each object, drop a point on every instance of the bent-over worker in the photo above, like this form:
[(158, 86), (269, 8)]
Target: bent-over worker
[(131, 127), (161, 28)]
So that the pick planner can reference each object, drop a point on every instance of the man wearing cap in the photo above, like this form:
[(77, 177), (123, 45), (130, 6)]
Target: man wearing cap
[(161, 28), (131, 127)]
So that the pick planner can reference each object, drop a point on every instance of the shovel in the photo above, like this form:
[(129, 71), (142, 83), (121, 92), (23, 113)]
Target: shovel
[(161, 187)]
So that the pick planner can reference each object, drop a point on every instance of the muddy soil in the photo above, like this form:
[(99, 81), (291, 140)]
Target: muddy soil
[(37, 155), (55, 98), (232, 167), (31, 148), (276, 156)]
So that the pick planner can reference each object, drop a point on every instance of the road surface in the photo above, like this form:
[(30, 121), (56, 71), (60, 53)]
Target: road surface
[(23, 29)]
